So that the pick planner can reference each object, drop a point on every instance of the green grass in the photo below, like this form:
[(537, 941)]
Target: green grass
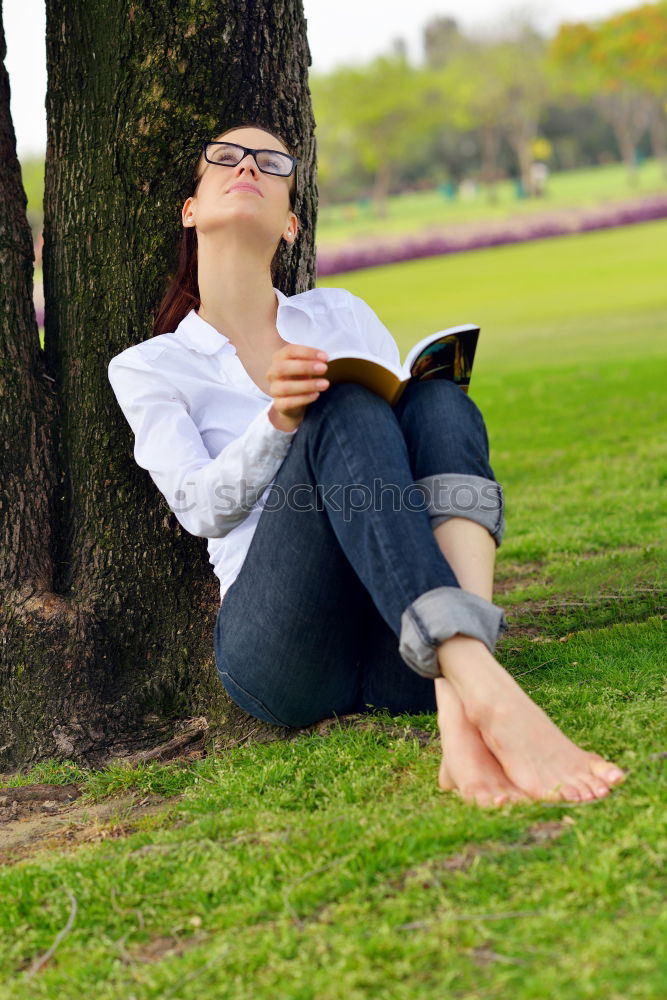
[(589, 295), (570, 376), (330, 865), (411, 212)]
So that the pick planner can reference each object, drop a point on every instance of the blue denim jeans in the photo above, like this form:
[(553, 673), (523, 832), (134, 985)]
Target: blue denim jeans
[(344, 594)]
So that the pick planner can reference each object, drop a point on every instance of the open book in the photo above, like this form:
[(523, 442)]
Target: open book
[(447, 354)]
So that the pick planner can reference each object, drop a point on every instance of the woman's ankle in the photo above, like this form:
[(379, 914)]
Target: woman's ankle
[(471, 668), (459, 650)]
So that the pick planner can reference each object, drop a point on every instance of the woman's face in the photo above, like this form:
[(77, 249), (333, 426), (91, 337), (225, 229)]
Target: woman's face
[(259, 212)]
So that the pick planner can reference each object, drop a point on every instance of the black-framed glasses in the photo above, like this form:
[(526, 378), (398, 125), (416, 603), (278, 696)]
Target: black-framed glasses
[(230, 154)]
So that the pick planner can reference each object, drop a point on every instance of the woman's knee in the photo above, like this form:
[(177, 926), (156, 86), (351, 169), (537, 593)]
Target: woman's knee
[(350, 397), (444, 431), (440, 399)]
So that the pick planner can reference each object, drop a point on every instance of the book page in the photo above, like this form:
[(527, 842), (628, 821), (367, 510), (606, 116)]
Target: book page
[(416, 350), (371, 372), (447, 354), (449, 357), (373, 358)]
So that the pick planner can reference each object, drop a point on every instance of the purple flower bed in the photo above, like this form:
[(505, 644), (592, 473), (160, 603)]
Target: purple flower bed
[(625, 214)]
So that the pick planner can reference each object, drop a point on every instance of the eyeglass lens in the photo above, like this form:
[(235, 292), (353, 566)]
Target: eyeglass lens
[(228, 154)]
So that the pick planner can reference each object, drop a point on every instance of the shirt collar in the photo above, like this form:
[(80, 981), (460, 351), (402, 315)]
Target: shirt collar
[(198, 335)]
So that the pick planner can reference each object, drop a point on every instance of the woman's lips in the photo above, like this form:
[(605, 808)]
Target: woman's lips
[(245, 187)]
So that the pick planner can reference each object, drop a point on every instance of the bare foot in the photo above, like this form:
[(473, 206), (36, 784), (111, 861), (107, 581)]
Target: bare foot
[(531, 750), (468, 766)]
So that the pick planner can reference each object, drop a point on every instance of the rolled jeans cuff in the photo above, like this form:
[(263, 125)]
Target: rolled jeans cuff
[(459, 494), (439, 614)]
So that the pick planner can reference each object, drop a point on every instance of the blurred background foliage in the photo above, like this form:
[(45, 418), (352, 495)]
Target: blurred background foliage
[(483, 109), (480, 112)]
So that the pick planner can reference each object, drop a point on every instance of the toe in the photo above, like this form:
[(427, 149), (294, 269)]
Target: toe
[(599, 788), (591, 788), (555, 794), (490, 797), (607, 771), (477, 795), (570, 793)]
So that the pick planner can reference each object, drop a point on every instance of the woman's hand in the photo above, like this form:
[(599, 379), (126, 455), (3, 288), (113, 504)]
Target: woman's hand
[(295, 379)]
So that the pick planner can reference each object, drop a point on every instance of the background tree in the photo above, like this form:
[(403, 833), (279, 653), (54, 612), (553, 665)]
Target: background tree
[(593, 60), (28, 403), (107, 604), (376, 116), (442, 38), (521, 65), (472, 94), (494, 86), (635, 43)]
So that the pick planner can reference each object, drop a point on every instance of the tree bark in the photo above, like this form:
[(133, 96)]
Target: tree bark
[(28, 403), (658, 132), (27, 417), (108, 605), (490, 142), (521, 132), (628, 115), (381, 187)]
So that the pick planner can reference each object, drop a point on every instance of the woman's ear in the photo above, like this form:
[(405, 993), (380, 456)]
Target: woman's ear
[(291, 229), (186, 214)]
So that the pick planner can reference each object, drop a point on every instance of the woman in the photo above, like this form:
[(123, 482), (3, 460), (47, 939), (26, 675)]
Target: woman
[(339, 592)]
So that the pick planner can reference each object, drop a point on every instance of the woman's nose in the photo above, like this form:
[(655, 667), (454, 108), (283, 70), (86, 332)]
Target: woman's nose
[(244, 162)]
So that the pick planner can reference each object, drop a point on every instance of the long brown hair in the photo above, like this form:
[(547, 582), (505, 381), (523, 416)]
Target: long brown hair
[(182, 293)]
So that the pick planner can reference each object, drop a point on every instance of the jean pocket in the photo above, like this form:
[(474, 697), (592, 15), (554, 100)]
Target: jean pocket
[(247, 701)]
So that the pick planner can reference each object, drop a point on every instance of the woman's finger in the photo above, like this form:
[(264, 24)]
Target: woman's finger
[(296, 366), (299, 351), (283, 387), (284, 403)]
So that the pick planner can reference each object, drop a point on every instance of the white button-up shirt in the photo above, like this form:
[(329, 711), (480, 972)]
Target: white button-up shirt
[(201, 425)]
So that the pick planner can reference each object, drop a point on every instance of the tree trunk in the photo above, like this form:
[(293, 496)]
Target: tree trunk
[(107, 604), (626, 143), (490, 142), (521, 134), (381, 188), (27, 417), (658, 132), (628, 115)]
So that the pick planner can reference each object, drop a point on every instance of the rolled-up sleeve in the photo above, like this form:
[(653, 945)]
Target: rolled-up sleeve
[(208, 496)]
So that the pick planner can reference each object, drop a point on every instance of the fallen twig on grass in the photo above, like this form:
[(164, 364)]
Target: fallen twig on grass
[(167, 751), (38, 963), (511, 915), (539, 665)]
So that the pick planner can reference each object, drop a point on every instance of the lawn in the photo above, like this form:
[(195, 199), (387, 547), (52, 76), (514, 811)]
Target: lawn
[(330, 865), (571, 373)]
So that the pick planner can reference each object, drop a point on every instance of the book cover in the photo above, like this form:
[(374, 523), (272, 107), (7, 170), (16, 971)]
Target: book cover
[(447, 354)]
